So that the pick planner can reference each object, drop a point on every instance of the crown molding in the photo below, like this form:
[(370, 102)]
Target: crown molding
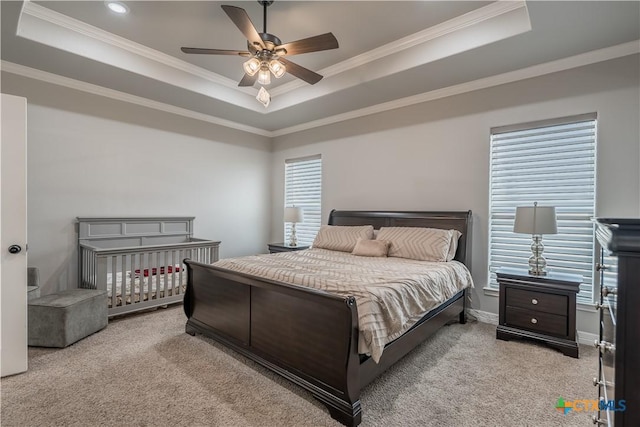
[(163, 67), (84, 29), (587, 58), (44, 76), (453, 25), (471, 32)]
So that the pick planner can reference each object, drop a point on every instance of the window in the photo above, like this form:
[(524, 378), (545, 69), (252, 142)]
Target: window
[(552, 163), (303, 188)]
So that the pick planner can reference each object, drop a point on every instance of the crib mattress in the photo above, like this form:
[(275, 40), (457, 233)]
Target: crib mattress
[(142, 286)]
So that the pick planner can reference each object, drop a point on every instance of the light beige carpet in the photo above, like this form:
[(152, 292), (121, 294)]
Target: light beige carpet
[(143, 370)]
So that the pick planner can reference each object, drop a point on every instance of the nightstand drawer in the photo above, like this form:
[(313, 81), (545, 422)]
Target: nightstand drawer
[(537, 321), (538, 301)]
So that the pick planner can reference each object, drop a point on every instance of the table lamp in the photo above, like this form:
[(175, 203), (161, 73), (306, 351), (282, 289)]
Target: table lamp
[(293, 215), (536, 220)]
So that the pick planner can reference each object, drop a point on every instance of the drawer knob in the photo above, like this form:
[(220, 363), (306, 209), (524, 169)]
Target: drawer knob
[(534, 301), (606, 291), (604, 346), (597, 382), (534, 320), (598, 421)]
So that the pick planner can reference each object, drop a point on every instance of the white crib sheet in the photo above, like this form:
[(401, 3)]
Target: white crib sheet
[(138, 287)]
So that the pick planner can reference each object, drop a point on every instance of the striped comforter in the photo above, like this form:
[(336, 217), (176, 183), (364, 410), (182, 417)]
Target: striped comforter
[(392, 294)]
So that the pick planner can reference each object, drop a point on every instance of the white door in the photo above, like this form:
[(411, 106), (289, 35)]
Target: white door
[(13, 235)]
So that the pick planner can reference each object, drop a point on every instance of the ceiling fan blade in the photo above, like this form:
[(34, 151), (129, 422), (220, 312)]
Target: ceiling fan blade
[(312, 44), (301, 72), (203, 51), (248, 80), (243, 22)]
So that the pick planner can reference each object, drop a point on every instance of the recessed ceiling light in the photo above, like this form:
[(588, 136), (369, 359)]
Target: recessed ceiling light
[(117, 7)]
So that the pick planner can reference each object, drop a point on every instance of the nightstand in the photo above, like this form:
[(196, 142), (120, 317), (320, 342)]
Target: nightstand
[(541, 308), (283, 247)]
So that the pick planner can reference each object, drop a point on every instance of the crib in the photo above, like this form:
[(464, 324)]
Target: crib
[(138, 261)]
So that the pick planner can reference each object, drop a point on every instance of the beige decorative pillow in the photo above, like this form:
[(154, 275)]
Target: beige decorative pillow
[(423, 244), (342, 237), (455, 236), (376, 248)]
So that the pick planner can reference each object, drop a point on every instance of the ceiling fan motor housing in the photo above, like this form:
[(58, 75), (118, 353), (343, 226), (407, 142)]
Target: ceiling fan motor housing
[(270, 42)]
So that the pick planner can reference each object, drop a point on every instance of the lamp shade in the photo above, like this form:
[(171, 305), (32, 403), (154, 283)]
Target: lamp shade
[(277, 68), (252, 66), (293, 214), (535, 220)]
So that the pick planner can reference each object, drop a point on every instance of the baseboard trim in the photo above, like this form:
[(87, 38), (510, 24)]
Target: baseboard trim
[(586, 338), (483, 316)]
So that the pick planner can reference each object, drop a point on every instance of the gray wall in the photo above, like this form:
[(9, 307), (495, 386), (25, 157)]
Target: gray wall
[(93, 156), (435, 155)]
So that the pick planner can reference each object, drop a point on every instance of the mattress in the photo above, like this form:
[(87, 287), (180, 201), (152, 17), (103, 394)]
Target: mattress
[(392, 294)]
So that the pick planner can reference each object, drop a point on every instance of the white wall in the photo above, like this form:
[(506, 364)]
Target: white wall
[(435, 155), (92, 156)]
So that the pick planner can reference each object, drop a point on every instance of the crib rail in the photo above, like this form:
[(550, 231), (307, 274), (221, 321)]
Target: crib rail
[(141, 277)]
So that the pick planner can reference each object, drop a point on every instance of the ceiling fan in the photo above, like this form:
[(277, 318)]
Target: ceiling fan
[(267, 52)]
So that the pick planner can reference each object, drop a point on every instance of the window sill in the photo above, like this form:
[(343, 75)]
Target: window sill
[(492, 292)]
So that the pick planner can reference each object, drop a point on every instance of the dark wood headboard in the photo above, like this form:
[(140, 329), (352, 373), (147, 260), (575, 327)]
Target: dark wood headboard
[(457, 220)]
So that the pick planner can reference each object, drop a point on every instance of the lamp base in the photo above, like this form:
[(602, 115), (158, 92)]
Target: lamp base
[(537, 263), (293, 240), (537, 273)]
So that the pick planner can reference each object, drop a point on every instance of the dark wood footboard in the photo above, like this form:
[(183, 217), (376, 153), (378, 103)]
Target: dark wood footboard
[(308, 336)]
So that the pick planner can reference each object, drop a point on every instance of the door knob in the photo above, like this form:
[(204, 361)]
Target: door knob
[(14, 249)]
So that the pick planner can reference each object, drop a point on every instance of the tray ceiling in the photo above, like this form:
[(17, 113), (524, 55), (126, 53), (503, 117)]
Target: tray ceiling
[(391, 53)]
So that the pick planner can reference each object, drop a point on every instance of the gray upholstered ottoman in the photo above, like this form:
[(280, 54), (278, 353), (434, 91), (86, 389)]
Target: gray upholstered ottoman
[(60, 319)]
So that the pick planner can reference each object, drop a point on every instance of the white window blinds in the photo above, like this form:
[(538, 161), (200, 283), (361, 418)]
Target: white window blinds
[(552, 163), (303, 188)]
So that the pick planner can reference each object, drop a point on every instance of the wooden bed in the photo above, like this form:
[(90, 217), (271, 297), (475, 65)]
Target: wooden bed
[(138, 260), (309, 336)]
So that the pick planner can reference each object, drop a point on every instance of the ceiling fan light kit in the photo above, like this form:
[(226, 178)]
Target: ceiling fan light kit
[(252, 66), (266, 52), (277, 68), (264, 75)]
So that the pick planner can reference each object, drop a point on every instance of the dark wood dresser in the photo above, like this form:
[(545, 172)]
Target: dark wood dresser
[(541, 308), (619, 342)]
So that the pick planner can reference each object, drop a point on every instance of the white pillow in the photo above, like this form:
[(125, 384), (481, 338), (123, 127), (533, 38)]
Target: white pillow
[(342, 237), (422, 244), (455, 236), (376, 248)]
